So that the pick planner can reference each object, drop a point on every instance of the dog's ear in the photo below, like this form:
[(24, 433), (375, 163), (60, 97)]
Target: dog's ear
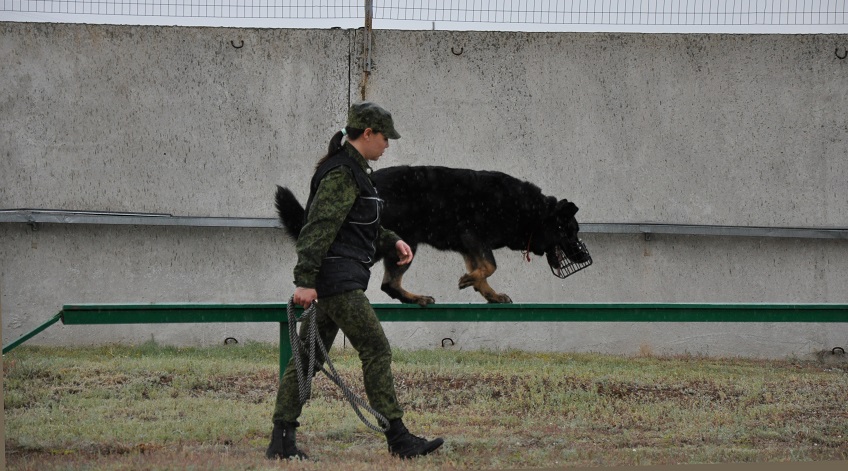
[(567, 208)]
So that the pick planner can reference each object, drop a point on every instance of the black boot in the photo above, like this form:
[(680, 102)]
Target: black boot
[(283, 444), (406, 445)]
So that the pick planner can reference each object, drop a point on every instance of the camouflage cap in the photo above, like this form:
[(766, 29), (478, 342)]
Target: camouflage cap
[(365, 115)]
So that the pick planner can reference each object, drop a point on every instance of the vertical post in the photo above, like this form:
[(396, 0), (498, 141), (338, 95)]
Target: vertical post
[(369, 16), (2, 402), (366, 49)]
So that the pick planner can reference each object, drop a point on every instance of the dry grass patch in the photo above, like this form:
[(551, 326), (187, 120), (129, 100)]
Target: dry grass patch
[(152, 408)]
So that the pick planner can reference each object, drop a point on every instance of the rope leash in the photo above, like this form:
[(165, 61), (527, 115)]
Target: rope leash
[(304, 379)]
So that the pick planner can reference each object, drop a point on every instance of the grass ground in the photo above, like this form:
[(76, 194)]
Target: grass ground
[(154, 408)]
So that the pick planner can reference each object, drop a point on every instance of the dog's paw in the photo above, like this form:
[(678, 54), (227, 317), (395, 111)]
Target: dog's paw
[(499, 298), (423, 301)]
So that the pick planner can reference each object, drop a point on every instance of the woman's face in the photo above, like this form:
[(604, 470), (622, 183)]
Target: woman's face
[(372, 144)]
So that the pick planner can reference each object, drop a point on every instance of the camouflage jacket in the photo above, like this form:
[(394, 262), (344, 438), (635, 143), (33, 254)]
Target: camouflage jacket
[(332, 201)]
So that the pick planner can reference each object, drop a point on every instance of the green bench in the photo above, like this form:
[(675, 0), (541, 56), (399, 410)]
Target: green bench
[(173, 313)]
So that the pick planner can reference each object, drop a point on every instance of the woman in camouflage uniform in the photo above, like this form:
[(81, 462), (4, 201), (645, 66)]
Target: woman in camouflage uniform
[(336, 248)]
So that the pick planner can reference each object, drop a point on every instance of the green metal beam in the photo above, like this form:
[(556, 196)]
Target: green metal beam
[(77, 314), (577, 312), (614, 312)]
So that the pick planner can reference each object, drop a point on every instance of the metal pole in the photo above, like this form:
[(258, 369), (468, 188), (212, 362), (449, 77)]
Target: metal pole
[(369, 15)]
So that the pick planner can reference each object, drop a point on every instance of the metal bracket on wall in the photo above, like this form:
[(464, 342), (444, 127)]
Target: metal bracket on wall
[(652, 229), (649, 230), (34, 217)]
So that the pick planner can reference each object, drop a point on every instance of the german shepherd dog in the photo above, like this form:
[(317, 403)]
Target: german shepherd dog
[(467, 211)]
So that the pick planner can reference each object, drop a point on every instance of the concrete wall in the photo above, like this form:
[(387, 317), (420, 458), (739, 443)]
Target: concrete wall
[(694, 129)]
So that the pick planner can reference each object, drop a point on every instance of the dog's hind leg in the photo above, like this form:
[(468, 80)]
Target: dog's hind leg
[(392, 278), (481, 265)]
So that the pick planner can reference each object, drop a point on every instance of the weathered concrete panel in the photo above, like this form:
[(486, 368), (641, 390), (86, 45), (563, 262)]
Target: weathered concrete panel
[(59, 264), (163, 119), (690, 129)]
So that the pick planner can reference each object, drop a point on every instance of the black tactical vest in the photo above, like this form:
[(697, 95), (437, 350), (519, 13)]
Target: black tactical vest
[(346, 265)]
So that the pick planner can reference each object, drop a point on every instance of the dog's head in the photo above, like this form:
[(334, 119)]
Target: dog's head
[(564, 250)]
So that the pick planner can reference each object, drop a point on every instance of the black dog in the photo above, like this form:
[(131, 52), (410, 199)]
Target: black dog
[(466, 211)]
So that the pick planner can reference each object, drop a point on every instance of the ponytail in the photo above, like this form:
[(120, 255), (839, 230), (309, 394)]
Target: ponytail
[(336, 142)]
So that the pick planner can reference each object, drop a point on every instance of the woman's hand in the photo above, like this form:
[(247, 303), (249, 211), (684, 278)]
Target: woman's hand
[(404, 252), (305, 296)]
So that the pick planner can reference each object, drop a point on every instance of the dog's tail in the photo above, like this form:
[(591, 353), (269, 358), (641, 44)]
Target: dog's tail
[(289, 210)]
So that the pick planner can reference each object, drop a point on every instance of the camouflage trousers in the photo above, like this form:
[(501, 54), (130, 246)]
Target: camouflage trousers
[(352, 313)]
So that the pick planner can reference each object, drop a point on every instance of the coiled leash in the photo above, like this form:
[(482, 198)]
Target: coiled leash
[(304, 381)]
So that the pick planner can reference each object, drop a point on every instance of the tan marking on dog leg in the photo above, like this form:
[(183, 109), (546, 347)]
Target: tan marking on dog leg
[(391, 285), (479, 270)]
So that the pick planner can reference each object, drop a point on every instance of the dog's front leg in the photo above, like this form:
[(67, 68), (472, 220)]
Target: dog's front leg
[(391, 285), (481, 265)]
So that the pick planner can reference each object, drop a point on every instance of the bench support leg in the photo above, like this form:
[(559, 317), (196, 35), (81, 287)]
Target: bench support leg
[(53, 320)]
